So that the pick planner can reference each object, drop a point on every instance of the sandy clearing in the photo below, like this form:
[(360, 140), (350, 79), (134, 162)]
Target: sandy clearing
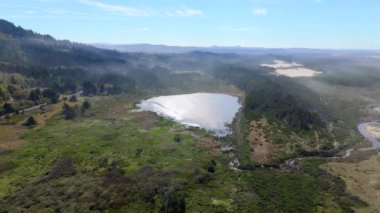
[(374, 130), (291, 69), (297, 72), (278, 64)]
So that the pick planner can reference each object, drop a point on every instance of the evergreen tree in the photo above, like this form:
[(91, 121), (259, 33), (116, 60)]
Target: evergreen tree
[(35, 95), (89, 88), (8, 108), (51, 94)]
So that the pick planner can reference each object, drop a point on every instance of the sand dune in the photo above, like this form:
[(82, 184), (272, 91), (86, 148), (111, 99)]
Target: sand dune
[(291, 69), (374, 130)]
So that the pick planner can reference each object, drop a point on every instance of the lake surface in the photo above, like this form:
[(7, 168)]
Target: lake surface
[(210, 111)]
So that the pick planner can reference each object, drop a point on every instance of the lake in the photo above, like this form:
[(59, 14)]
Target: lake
[(210, 111)]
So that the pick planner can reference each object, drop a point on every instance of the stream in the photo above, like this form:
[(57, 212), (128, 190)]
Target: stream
[(370, 137), (293, 164)]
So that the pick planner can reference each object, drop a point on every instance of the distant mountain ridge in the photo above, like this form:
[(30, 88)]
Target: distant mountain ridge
[(153, 49), (25, 47), (9, 28)]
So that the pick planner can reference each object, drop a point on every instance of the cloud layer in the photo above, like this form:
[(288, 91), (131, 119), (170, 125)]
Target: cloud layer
[(123, 10)]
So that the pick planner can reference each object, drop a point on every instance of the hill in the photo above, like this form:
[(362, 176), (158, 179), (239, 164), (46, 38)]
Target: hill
[(25, 47)]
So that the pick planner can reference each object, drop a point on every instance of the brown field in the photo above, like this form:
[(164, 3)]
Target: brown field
[(362, 180), (9, 138), (211, 145)]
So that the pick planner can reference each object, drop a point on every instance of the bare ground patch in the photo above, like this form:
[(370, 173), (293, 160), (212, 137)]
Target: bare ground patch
[(118, 109), (261, 149), (146, 120), (211, 145)]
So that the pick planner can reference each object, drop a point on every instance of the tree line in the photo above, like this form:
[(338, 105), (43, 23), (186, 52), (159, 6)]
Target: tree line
[(266, 95)]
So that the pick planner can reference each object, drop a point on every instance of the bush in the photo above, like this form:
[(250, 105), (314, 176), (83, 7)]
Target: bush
[(8, 108), (211, 169), (3, 95), (35, 95), (138, 152), (30, 122), (51, 94), (69, 112), (201, 177), (177, 138), (73, 98), (85, 106), (175, 203), (89, 88)]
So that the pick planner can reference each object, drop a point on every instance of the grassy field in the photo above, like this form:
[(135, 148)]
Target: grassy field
[(115, 158), (108, 136), (362, 179)]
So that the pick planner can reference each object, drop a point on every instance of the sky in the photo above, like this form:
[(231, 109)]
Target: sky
[(332, 24)]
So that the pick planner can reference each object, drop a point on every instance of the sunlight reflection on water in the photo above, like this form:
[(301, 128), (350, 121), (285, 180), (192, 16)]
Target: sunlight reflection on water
[(205, 110)]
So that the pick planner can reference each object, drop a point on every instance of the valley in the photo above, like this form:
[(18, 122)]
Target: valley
[(85, 129)]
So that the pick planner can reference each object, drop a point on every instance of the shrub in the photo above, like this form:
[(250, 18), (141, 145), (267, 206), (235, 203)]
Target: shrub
[(85, 106), (69, 112), (138, 152), (8, 108), (30, 122), (211, 169), (73, 98), (177, 138), (51, 94)]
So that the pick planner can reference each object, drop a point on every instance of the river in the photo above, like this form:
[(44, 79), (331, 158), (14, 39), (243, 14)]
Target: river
[(362, 127)]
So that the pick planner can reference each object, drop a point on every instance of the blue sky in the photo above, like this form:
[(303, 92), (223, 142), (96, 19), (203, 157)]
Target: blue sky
[(337, 24)]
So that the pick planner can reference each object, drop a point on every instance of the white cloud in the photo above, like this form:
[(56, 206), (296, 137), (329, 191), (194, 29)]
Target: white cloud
[(185, 12), (260, 11), (123, 10)]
